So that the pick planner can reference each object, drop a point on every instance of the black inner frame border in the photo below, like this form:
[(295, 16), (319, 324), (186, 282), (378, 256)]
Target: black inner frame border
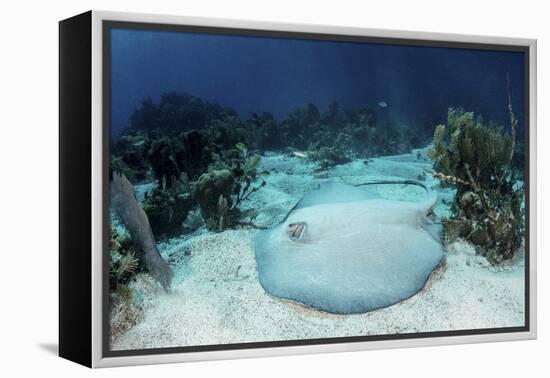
[(108, 25)]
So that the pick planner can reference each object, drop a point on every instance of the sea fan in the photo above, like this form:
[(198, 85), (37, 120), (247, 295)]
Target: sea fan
[(474, 157), (135, 219)]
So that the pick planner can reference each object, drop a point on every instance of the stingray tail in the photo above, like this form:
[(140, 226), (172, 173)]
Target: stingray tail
[(433, 228), (395, 182), (428, 204)]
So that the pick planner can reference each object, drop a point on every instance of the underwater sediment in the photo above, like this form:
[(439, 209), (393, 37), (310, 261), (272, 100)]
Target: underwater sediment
[(259, 224), (217, 297)]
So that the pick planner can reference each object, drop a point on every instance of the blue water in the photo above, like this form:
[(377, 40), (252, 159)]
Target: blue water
[(340, 248), (257, 74)]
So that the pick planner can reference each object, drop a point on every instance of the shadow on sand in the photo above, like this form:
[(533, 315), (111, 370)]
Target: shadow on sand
[(51, 348)]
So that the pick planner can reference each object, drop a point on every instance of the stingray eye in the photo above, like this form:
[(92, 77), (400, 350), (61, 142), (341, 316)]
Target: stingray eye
[(296, 230)]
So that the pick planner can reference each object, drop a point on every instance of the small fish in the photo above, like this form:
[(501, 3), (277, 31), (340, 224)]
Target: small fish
[(140, 143), (300, 154), (383, 104)]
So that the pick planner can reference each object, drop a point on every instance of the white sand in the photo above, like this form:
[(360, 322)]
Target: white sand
[(217, 297)]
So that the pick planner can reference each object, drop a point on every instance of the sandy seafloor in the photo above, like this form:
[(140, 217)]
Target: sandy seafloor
[(217, 298)]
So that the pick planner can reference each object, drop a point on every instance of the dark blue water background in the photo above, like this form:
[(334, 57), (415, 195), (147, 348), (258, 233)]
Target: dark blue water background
[(256, 74)]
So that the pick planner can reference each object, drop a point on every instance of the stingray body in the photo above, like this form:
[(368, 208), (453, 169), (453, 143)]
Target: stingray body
[(342, 250)]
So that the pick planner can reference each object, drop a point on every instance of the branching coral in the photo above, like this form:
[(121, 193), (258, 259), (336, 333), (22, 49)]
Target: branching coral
[(475, 158), (223, 212), (211, 191), (245, 173), (230, 181)]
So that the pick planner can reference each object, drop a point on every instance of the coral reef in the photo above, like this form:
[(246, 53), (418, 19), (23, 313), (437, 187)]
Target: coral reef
[(329, 156), (243, 167), (299, 126), (183, 132), (194, 152), (124, 259), (131, 149), (119, 166), (246, 173), (475, 158), (129, 302), (124, 314), (163, 161), (262, 132), (213, 191), (177, 112), (135, 219), (124, 264), (183, 138), (167, 207), (336, 136)]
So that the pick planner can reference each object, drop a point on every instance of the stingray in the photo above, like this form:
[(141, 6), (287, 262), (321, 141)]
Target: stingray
[(344, 250)]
